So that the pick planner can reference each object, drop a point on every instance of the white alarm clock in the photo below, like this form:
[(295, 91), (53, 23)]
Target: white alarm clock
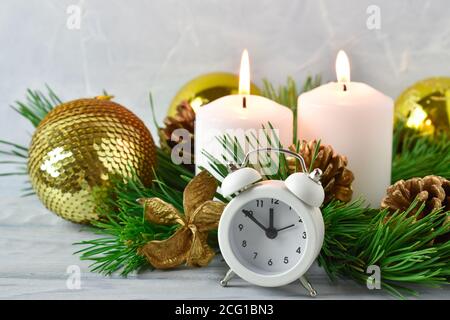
[(272, 231)]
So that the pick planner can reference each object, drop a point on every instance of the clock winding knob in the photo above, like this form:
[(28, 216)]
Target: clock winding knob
[(316, 175)]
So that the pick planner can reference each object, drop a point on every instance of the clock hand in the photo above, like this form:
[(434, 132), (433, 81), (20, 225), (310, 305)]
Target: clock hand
[(290, 226), (271, 232), (249, 214), (271, 218)]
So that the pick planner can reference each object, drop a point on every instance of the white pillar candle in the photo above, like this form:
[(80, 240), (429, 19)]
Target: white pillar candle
[(357, 121), (238, 115)]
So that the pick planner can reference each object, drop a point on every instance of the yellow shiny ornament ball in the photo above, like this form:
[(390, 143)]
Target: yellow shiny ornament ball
[(425, 106), (76, 150), (206, 88)]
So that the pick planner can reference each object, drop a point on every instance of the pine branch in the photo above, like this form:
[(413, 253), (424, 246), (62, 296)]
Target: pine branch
[(416, 155), (288, 93), (357, 237), (234, 152), (37, 105), (15, 158), (178, 175), (344, 224), (35, 108)]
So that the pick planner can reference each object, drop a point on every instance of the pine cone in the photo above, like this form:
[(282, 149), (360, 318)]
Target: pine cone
[(184, 119), (433, 190), (336, 179)]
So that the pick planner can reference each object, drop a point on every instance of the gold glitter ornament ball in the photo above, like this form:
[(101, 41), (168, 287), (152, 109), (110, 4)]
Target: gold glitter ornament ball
[(78, 147), (206, 88), (425, 106)]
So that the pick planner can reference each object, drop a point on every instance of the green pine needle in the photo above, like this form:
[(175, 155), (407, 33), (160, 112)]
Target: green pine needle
[(344, 224), (357, 237), (288, 93), (416, 155), (315, 154), (36, 106)]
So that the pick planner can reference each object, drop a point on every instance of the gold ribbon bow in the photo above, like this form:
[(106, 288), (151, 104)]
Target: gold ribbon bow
[(188, 244)]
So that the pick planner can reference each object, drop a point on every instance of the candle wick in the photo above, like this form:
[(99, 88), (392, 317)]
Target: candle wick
[(244, 102), (345, 86)]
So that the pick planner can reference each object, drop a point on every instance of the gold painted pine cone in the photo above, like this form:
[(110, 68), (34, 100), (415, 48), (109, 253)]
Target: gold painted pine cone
[(78, 147), (336, 179)]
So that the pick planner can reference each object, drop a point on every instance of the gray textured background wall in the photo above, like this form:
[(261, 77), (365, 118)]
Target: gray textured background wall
[(136, 46)]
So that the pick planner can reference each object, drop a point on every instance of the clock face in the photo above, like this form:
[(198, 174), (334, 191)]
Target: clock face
[(268, 236)]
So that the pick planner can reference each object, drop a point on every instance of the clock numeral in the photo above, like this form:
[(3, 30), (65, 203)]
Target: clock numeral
[(260, 203), (244, 243), (255, 254), (304, 235), (270, 262), (286, 260), (299, 250), (240, 226), (275, 201)]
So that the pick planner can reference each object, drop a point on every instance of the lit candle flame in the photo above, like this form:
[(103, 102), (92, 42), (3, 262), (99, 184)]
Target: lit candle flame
[(244, 74), (342, 67)]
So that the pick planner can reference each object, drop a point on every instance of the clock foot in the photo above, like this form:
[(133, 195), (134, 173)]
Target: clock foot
[(308, 286), (228, 276)]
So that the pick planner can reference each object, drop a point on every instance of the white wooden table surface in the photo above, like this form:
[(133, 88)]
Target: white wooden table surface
[(36, 250)]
